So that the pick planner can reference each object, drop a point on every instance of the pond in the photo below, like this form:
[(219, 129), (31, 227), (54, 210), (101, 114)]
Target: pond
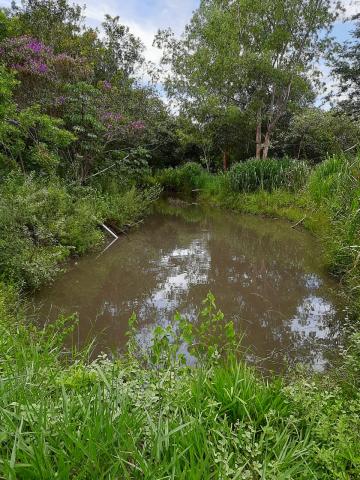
[(266, 276)]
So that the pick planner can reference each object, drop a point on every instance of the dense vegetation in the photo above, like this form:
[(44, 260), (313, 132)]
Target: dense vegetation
[(86, 141)]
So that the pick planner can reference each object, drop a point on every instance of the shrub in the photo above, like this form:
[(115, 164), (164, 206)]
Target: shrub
[(190, 176), (42, 222), (269, 174)]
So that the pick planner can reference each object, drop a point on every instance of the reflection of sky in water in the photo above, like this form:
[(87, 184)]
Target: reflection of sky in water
[(309, 325), (312, 281), (308, 322), (173, 281), (267, 280)]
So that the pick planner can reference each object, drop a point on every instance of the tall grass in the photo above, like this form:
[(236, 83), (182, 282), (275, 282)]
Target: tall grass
[(334, 188), (64, 418), (249, 176), (269, 175)]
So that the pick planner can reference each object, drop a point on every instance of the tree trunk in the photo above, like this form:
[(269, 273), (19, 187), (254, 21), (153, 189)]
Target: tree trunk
[(258, 135), (225, 159), (266, 145)]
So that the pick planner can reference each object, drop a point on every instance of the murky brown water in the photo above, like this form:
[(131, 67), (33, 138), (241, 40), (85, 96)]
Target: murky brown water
[(265, 275)]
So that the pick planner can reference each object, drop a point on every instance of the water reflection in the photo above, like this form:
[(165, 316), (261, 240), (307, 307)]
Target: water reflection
[(265, 275)]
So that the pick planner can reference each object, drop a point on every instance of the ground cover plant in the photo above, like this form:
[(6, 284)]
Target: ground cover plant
[(148, 415)]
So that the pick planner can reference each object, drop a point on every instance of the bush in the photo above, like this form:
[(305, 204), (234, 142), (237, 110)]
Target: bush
[(269, 174), (190, 176), (42, 222)]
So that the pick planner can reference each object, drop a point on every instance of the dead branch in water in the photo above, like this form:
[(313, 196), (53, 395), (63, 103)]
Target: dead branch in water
[(298, 223)]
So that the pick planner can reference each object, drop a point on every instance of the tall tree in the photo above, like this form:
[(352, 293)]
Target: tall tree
[(347, 69), (255, 55), (57, 23), (123, 50)]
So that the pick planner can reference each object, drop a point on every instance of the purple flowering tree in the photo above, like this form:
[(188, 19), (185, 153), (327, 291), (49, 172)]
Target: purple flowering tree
[(40, 70)]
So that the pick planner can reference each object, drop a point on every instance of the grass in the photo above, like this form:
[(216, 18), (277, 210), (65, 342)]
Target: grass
[(268, 175), (62, 417)]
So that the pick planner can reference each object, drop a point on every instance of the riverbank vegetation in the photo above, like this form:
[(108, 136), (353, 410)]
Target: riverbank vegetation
[(86, 141), (324, 199)]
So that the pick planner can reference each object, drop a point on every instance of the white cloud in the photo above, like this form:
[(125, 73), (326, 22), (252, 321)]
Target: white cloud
[(352, 7), (145, 18)]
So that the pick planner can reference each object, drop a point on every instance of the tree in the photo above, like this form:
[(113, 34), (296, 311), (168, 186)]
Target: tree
[(314, 134), (122, 50), (41, 71), (257, 56), (347, 70), (56, 23), (29, 140)]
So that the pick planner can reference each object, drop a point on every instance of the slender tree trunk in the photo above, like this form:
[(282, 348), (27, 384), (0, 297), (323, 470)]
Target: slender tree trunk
[(225, 159), (266, 145), (258, 135)]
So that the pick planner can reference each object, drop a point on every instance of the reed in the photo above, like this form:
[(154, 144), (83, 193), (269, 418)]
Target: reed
[(269, 175)]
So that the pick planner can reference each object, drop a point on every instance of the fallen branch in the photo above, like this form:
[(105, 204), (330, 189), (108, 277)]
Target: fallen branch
[(351, 148), (107, 168), (298, 223), (109, 231)]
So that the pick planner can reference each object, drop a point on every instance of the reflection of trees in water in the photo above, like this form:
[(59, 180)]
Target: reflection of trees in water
[(262, 273), (279, 293)]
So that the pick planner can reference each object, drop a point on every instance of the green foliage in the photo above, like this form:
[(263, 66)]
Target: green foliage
[(346, 67), (63, 418), (314, 134), (29, 139), (42, 223), (269, 174), (258, 58), (123, 51), (186, 178), (122, 210)]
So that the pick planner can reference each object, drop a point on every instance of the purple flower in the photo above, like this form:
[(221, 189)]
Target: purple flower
[(42, 68), (35, 46), (111, 117), (60, 100), (107, 85), (137, 125)]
